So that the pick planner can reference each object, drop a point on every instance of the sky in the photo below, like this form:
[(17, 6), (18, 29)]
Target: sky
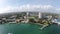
[(30, 5)]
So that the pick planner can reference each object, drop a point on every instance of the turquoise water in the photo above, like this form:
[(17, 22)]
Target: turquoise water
[(58, 19), (28, 29)]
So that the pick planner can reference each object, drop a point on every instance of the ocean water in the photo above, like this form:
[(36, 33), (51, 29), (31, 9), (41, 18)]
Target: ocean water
[(58, 19), (28, 29)]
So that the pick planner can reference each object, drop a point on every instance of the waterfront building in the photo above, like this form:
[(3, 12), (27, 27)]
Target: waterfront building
[(34, 14), (39, 15)]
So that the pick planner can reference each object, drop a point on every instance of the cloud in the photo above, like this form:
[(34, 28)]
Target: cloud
[(28, 7), (58, 9), (35, 7)]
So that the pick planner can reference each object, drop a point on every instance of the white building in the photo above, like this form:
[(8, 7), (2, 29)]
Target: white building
[(36, 14), (39, 15)]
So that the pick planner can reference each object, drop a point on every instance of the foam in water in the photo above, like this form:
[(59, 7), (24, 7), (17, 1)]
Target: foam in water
[(9, 33)]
